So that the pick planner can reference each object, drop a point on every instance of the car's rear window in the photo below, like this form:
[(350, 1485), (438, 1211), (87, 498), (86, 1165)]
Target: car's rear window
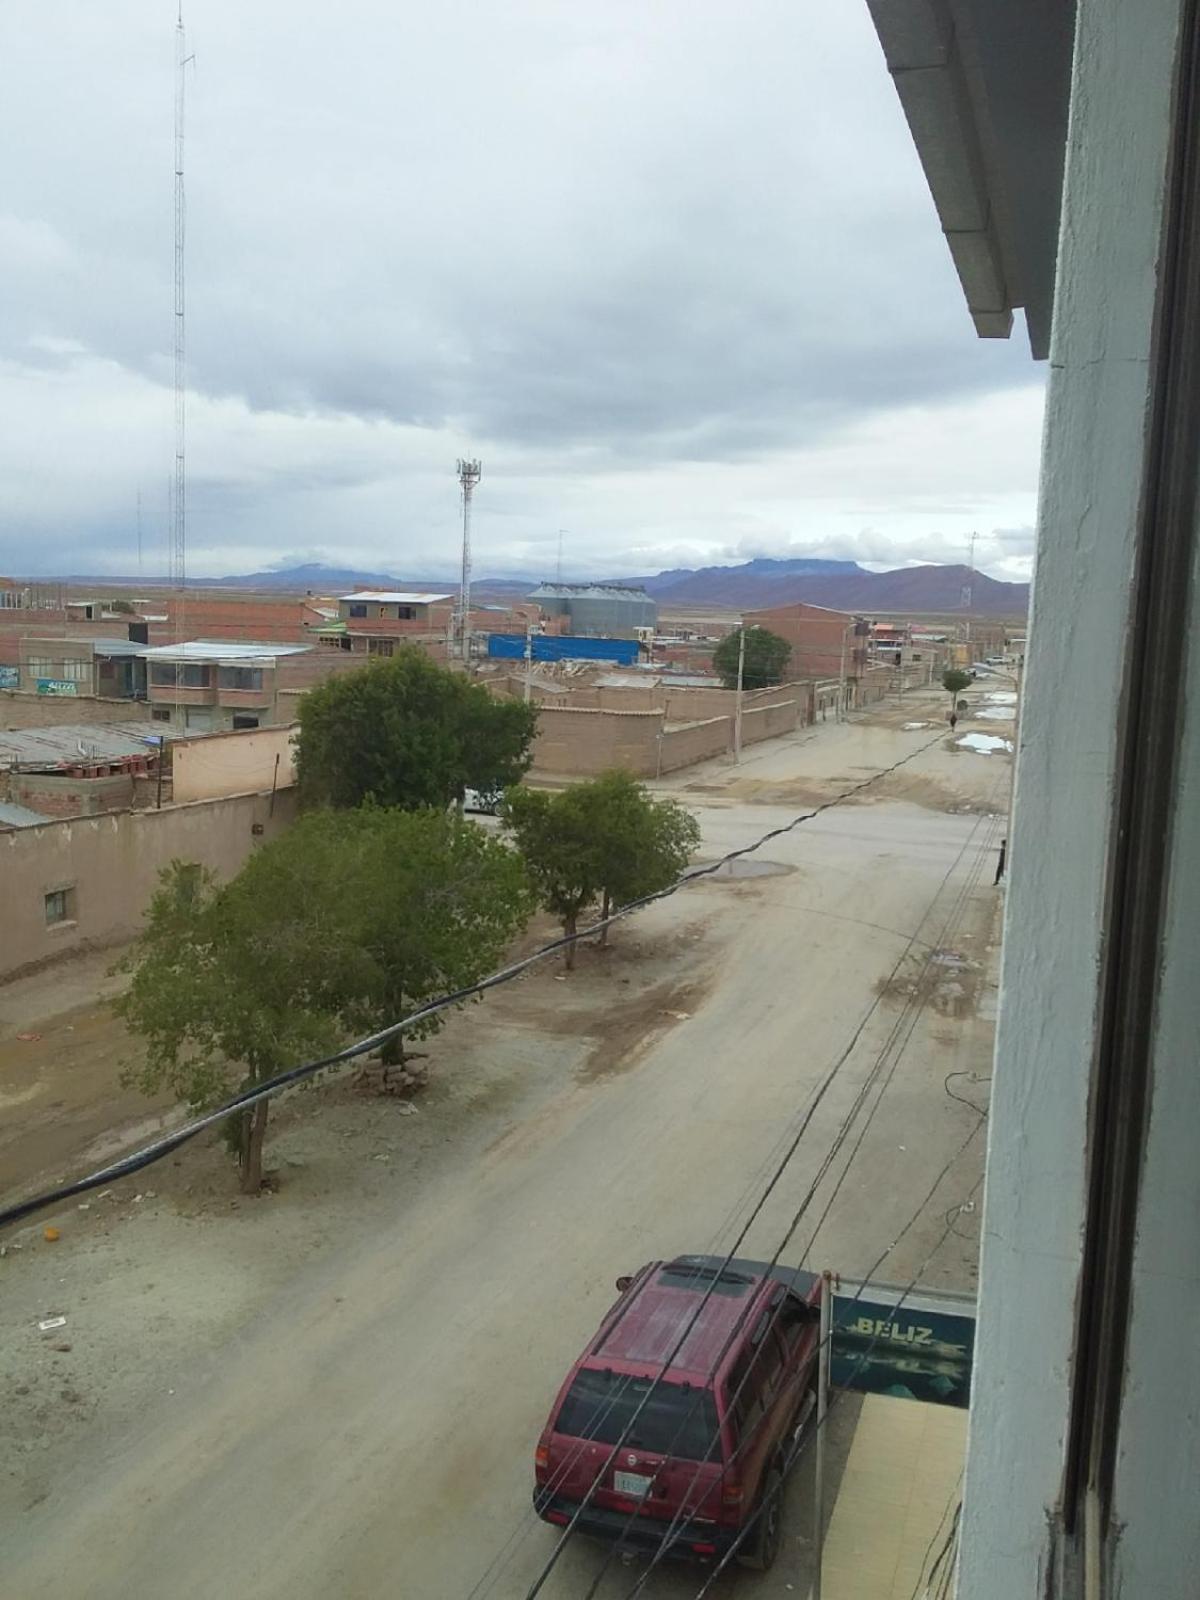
[(676, 1420)]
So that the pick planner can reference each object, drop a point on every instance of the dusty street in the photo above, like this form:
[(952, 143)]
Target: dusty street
[(335, 1391)]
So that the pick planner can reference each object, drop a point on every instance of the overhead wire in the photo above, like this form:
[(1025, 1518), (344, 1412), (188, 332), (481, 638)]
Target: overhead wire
[(562, 1472), (247, 1098), (916, 1009), (626, 1431), (862, 1360), (912, 1010)]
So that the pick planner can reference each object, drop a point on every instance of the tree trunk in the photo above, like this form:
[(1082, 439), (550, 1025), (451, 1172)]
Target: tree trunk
[(569, 929), (391, 1054), (254, 1128), (605, 908)]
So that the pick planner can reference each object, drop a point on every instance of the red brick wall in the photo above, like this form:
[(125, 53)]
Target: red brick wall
[(815, 636)]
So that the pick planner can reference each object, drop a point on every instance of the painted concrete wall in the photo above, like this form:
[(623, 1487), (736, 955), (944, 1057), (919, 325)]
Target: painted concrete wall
[(111, 865), (233, 763), (1059, 840)]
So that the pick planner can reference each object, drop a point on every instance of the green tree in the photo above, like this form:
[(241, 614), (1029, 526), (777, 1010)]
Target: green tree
[(955, 680), (607, 840), (767, 656), (425, 902), (643, 843), (220, 997), (555, 834), (406, 732), (343, 924)]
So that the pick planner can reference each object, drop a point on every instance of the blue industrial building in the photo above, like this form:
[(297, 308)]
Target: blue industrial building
[(563, 647)]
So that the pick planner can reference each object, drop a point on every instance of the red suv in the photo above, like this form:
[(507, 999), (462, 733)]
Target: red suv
[(707, 1451)]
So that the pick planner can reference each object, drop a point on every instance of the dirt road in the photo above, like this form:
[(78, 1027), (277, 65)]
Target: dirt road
[(368, 1428)]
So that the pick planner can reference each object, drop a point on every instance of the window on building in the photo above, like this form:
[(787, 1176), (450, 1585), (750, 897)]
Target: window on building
[(188, 675), (60, 906), (240, 677), (245, 720), (381, 647), (160, 714), (358, 611), (39, 667), (406, 613)]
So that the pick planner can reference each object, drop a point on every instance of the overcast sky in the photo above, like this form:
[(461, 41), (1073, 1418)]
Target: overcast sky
[(669, 267)]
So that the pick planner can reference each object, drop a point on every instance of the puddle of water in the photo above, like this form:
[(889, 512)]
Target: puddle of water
[(749, 867)]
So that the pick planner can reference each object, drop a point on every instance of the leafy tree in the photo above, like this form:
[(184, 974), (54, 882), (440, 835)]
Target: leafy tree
[(344, 923), (644, 843), (424, 903), (767, 656), (607, 840), (219, 995), (555, 834), (955, 680), (406, 732)]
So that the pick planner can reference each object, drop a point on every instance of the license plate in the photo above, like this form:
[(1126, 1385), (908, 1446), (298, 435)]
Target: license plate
[(632, 1483)]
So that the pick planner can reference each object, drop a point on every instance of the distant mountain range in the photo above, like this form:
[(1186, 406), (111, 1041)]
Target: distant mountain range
[(752, 585)]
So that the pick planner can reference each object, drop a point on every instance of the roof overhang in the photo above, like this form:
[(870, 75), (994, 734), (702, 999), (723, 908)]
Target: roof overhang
[(985, 87)]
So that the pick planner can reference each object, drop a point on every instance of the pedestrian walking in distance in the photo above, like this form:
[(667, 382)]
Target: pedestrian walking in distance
[(1000, 863), (953, 721)]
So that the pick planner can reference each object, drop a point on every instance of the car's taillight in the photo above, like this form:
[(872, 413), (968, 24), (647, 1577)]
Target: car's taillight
[(731, 1494), (541, 1456)]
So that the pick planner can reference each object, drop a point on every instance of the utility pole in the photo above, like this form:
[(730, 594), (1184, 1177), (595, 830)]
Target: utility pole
[(824, 1337), (469, 473), (842, 676), (737, 708), (968, 587)]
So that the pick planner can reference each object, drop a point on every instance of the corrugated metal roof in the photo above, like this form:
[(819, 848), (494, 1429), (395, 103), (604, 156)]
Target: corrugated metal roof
[(394, 597), (222, 650), (588, 591), (14, 816), (33, 748)]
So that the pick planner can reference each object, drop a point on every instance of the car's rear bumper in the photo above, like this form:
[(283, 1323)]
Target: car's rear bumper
[(693, 1541)]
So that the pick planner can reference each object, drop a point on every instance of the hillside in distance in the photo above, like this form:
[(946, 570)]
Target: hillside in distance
[(750, 586), (925, 589)]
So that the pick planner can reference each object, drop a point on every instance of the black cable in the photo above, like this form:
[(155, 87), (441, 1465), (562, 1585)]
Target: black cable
[(962, 1100), (861, 1362), (932, 1571), (482, 1584), (823, 1088), (284, 1080), (915, 1004)]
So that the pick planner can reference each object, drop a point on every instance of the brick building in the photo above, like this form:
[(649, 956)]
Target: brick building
[(825, 643)]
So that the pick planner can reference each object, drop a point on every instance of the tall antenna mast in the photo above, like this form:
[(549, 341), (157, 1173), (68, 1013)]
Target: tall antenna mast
[(178, 550), (558, 569), (966, 588), (469, 474), (139, 530)]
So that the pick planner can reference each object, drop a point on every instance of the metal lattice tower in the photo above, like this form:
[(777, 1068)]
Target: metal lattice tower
[(177, 564), (469, 474), (967, 586)]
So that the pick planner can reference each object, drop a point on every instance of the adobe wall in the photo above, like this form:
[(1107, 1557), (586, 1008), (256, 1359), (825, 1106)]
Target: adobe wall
[(769, 721), (586, 741), (21, 710), (55, 794), (111, 864), (233, 763), (695, 741)]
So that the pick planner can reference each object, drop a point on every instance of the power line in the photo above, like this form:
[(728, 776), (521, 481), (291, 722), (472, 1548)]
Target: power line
[(915, 1006), (160, 1148), (913, 1283), (777, 1175), (486, 1579)]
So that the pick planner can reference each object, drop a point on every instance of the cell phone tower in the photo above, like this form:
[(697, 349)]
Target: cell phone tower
[(177, 563), (469, 474)]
